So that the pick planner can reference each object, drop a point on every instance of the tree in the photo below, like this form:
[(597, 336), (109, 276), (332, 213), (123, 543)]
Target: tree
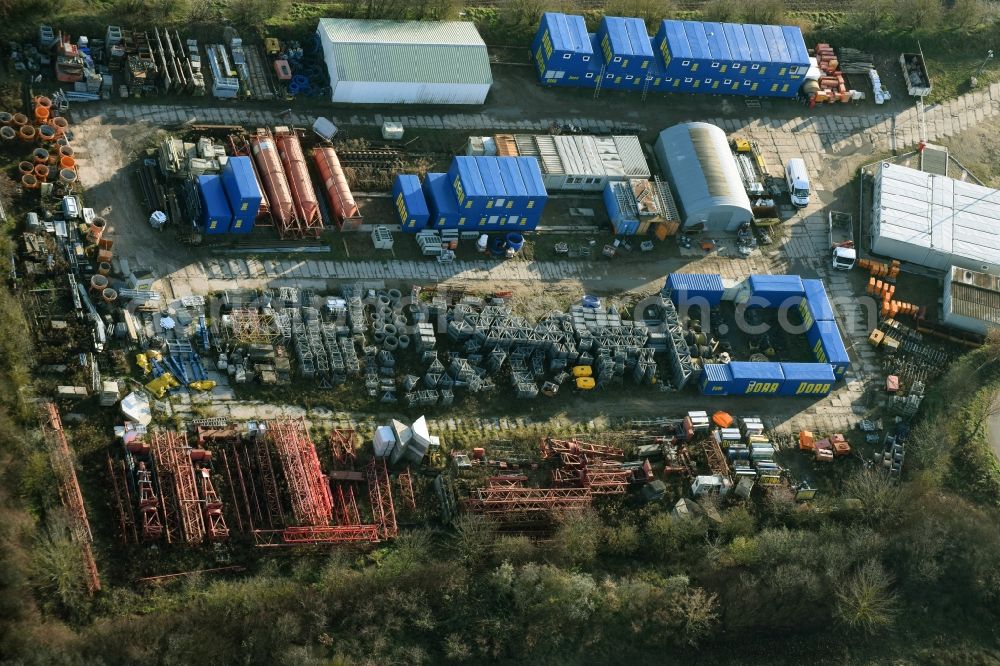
[(989, 353), (867, 601), (763, 11), (254, 13), (7, 189), (576, 539), (879, 496), (474, 537)]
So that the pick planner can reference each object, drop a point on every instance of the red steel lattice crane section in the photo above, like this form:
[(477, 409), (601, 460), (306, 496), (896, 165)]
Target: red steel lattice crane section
[(553, 449), (215, 522), (173, 457), (380, 493), (149, 503), (344, 446), (308, 487), (405, 480), (509, 498), (69, 491)]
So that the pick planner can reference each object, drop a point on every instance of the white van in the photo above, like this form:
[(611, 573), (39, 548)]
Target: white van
[(798, 181)]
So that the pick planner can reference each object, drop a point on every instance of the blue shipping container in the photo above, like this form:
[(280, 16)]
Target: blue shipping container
[(513, 183), (470, 190), (243, 193), (624, 45), (718, 47), (617, 199), (411, 207), (716, 379), (216, 216), (815, 306), (562, 48), (531, 174), (489, 169), (811, 379), (441, 203), (739, 49), (690, 288), (773, 291), (828, 347), (755, 378)]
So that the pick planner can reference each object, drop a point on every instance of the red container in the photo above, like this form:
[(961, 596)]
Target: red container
[(279, 193), (303, 194), (338, 192)]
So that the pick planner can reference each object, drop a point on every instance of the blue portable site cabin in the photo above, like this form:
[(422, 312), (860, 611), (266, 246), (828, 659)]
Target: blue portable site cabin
[(694, 288), (799, 62), (807, 379), (496, 193), (411, 207), (716, 379), (755, 378), (828, 347), (815, 306), (242, 192), (562, 48), (531, 174), (470, 190), (774, 291), (216, 217), (513, 184), (739, 49), (622, 212), (441, 203), (718, 47), (625, 46)]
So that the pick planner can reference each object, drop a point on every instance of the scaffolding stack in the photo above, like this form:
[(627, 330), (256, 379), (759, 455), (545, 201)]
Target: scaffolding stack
[(307, 485), (174, 469)]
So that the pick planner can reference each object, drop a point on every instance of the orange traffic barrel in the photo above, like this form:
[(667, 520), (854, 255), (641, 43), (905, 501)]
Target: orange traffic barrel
[(44, 101), (67, 162), (29, 182), (67, 176), (25, 167), (65, 151), (42, 172), (19, 120), (41, 114), (27, 133), (61, 124)]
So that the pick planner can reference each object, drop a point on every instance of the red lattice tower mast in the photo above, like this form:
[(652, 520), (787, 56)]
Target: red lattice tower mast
[(149, 504), (344, 446), (215, 522), (506, 497), (380, 493), (405, 480), (69, 491), (553, 449), (307, 485), (173, 457)]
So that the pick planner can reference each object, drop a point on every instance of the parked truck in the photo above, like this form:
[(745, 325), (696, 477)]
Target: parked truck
[(918, 81), (842, 240)]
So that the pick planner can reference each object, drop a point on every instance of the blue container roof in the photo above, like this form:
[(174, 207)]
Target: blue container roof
[(698, 40), (759, 53), (784, 284), (490, 171), (796, 45), (238, 175), (638, 37), (413, 195), (751, 370), (717, 43), (440, 195), (808, 372), (677, 40), (472, 180), (214, 197), (775, 43), (567, 32), (819, 303), (617, 31), (832, 342), (531, 174), (701, 282), (737, 40), (513, 182), (718, 372)]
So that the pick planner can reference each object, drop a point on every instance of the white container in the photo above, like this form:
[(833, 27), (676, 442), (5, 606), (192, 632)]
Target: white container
[(392, 131)]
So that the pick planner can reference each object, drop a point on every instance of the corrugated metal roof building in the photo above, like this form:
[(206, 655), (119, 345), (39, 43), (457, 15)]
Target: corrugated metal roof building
[(574, 162), (935, 221), (703, 173), (971, 300), (405, 62)]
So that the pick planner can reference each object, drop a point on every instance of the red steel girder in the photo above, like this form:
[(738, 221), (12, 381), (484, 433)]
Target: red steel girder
[(69, 491), (380, 494), (320, 534), (499, 500), (345, 507), (149, 504), (269, 483), (344, 446), (215, 522), (405, 480), (307, 486), (716, 458), (173, 455), (235, 492), (123, 503), (552, 448)]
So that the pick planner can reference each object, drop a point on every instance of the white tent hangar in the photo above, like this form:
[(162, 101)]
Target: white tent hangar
[(935, 221), (703, 174), (405, 62)]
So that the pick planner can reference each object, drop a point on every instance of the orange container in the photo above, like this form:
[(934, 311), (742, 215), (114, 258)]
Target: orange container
[(871, 286), (43, 101), (41, 114)]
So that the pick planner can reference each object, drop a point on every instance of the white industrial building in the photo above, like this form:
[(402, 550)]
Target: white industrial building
[(405, 62), (971, 300), (702, 171), (571, 162), (935, 221)]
